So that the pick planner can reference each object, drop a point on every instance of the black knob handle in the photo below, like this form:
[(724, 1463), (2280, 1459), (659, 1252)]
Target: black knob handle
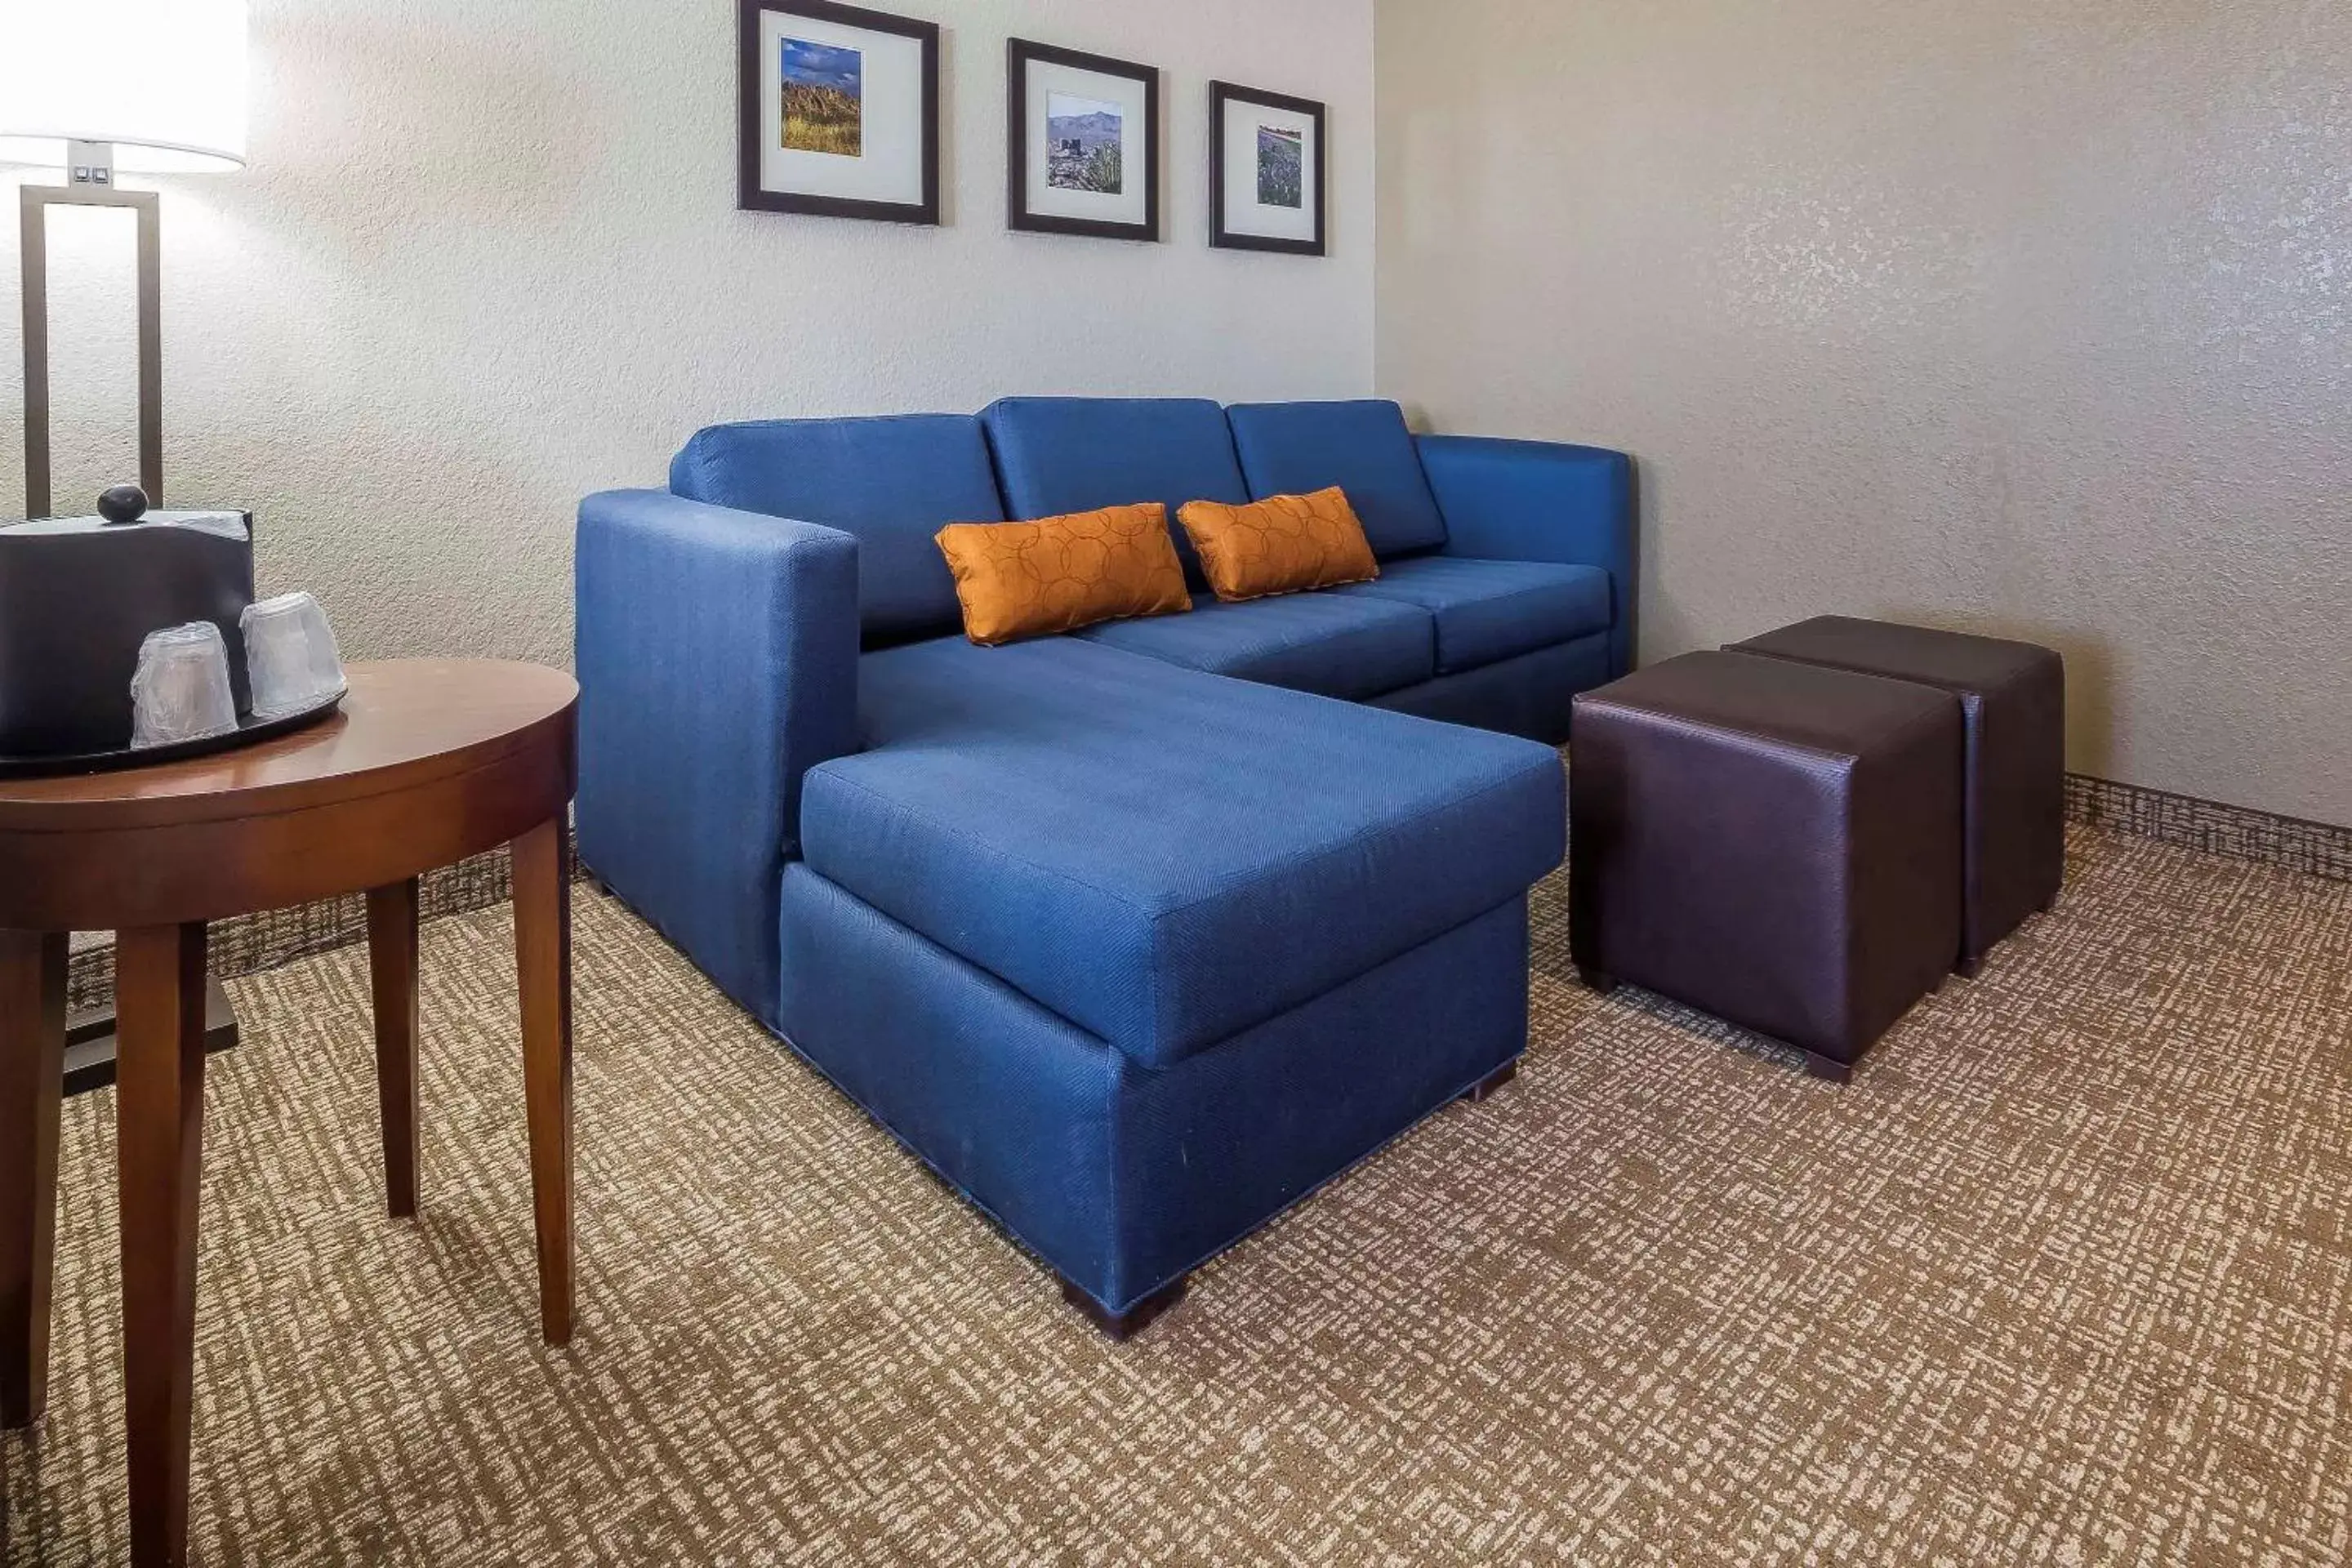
[(124, 503)]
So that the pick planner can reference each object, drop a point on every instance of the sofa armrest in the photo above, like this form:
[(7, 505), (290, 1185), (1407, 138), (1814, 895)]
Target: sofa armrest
[(1541, 500), (717, 652)]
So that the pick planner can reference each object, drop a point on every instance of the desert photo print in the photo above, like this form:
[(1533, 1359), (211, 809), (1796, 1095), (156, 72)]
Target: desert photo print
[(1082, 139), (823, 99)]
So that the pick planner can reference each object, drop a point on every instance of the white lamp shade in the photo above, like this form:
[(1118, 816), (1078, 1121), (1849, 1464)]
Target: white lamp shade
[(162, 79)]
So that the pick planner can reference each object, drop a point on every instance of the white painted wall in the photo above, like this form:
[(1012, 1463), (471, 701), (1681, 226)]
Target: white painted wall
[(2032, 316), (487, 259)]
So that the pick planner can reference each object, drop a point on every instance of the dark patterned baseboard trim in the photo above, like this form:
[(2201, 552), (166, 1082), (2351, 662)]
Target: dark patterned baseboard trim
[(2239, 832), (248, 944)]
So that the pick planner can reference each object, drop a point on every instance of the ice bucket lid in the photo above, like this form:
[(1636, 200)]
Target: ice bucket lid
[(235, 525)]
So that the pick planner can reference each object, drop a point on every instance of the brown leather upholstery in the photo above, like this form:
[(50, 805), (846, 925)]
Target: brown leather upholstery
[(1776, 844), (2014, 700)]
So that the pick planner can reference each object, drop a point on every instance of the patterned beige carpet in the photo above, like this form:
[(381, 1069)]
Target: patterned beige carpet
[(2065, 1275)]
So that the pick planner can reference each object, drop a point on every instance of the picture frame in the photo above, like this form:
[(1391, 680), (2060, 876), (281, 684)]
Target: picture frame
[(1268, 189), (1079, 130), (838, 112)]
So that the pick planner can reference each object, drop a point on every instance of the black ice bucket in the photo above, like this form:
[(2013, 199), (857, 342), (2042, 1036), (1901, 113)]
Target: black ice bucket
[(78, 597)]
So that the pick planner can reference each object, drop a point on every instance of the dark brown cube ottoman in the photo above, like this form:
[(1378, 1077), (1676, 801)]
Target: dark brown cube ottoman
[(2013, 702), (1772, 842)]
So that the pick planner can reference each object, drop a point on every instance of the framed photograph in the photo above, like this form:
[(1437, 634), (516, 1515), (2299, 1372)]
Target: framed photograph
[(1083, 149), (840, 111), (1265, 171)]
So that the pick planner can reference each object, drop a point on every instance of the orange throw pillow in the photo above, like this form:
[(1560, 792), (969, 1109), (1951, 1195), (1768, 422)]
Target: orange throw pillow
[(1280, 546), (1058, 574)]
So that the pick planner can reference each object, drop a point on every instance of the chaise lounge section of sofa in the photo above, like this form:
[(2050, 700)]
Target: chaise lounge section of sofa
[(1137, 935)]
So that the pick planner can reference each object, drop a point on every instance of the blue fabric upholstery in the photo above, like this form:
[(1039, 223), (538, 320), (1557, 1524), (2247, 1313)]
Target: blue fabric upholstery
[(1161, 856), (892, 483), (1364, 448), (1536, 501), (1058, 455), (1122, 1177), (1531, 696), (1491, 610), (716, 655), (1321, 642), (1134, 953)]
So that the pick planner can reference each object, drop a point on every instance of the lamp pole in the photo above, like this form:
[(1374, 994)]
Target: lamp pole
[(92, 176)]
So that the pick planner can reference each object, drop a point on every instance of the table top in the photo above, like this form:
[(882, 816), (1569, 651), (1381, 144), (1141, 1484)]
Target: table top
[(405, 723)]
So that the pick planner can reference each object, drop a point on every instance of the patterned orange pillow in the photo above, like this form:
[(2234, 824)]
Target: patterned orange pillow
[(1058, 574), (1280, 546)]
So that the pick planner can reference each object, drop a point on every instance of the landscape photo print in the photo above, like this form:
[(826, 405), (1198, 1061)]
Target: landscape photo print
[(1085, 153), (823, 98)]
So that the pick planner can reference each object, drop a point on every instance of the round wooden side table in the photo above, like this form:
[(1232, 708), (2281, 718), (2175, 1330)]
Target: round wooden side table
[(429, 763)]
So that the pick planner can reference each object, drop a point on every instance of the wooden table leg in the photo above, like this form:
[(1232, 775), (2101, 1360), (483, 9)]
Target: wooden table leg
[(392, 965), (158, 1115), (32, 1087), (542, 906)]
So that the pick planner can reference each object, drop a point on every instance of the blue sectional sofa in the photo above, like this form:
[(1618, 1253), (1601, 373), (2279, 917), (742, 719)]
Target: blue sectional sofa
[(1136, 935)]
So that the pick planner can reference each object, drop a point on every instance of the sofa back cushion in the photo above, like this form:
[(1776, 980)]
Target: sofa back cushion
[(1058, 455), (892, 482), (1364, 448)]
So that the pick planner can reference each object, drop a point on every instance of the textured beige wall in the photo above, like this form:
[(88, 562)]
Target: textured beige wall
[(487, 259), (2033, 316)]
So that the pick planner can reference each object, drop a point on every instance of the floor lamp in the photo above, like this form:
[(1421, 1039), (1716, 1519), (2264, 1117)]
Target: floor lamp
[(99, 87)]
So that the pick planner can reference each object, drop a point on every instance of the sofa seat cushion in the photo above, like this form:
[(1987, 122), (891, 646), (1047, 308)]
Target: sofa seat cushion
[(1161, 856), (1487, 611), (1320, 642)]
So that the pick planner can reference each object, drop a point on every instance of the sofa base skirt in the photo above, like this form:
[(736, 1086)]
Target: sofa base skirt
[(1528, 696), (1122, 1178)]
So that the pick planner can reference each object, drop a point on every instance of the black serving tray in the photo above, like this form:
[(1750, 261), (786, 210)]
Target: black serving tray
[(248, 731)]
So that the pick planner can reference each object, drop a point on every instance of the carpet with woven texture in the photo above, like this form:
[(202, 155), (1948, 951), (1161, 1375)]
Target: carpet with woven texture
[(2065, 1275)]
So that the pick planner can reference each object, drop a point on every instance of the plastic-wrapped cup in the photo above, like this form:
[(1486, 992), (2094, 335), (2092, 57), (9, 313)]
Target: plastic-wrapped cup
[(179, 690), (290, 653)]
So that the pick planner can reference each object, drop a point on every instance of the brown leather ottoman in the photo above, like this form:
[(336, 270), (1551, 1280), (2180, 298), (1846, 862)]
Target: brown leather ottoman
[(2013, 702), (1772, 842)]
